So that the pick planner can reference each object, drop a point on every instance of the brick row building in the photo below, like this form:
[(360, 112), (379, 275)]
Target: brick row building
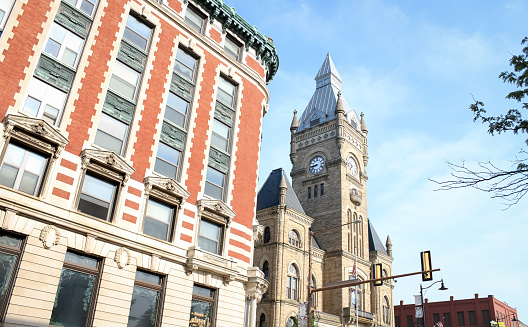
[(129, 159)]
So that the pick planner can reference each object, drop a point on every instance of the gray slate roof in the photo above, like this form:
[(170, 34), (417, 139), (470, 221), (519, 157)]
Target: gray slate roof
[(375, 243), (323, 102), (268, 195)]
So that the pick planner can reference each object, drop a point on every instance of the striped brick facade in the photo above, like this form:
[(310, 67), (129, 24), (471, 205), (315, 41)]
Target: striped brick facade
[(72, 152)]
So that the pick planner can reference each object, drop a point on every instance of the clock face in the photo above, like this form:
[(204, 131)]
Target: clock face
[(352, 165), (316, 165)]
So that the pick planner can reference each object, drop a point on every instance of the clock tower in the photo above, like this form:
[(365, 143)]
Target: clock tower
[(329, 176)]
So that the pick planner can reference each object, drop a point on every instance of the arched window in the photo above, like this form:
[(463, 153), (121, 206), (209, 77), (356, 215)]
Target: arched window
[(356, 235), (290, 322), (314, 295), (267, 235), (291, 286), (386, 311), (349, 226), (265, 270), (262, 320), (294, 238)]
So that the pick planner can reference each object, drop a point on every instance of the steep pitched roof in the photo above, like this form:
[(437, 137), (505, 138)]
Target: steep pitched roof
[(375, 243), (321, 107), (269, 195)]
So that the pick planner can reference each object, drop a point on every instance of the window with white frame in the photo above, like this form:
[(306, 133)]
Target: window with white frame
[(23, 168), (220, 135), (291, 283), (215, 183), (44, 101), (159, 220), (185, 64), (63, 45), (97, 197), (111, 133), (203, 306), (5, 9), (86, 6), (75, 298), (124, 80), (167, 160), (137, 32), (195, 19), (232, 48), (226, 92), (210, 236), (147, 299)]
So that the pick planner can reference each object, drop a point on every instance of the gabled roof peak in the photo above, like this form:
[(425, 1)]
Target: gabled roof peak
[(328, 68)]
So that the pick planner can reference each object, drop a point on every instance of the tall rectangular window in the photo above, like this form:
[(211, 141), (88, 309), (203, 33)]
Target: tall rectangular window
[(137, 33), (232, 48), (167, 160), (159, 220), (185, 65), (97, 197), (210, 238), (23, 169), (447, 319), (63, 45), (5, 9), (124, 80), (10, 248), (486, 317), (202, 307), (309, 192), (214, 183), (472, 318), (397, 321), (460, 318), (75, 298), (111, 133), (322, 189), (410, 322), (436, 317), (44, 101), (146, 300), (315, 191), (226, 92), (194, 19)]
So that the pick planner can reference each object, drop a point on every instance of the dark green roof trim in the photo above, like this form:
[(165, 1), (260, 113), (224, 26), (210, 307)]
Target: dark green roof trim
[(227, 16)]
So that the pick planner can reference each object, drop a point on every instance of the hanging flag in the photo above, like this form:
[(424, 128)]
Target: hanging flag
[(354, 272)]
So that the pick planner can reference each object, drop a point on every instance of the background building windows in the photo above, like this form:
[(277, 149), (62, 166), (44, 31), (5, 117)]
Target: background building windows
[(202, 306), (232, 48), (315, 191), (322, 189), (410, 322), (10, 247), (63, 45), (447, 319), (137, 33), (194, 19), (75, 294), (291, 283), (146, 298), (44, 101), (111, 133), (436, 317), (159, 220), (472, 318), (267, 235), (210, 238), (167, 159), (214, 184), (486, 317), (22, 169), (309, 192), (461, 321), (97, 197)]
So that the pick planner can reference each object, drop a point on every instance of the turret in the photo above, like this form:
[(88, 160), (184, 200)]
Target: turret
[(293, 128), (388, 245), (282, 191), (363, 125)]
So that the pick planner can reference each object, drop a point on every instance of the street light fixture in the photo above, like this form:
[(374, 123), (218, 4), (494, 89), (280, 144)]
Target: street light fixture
[(309, 300), (442, 288), (503, 319)]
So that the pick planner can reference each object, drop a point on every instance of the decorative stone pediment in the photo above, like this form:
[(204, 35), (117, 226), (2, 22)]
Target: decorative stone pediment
[(35, 132), (106, 163), (200, 260), (215, 210), (166, 189)]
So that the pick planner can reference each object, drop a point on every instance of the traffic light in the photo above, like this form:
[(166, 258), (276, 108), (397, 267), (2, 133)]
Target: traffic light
[(426, 265), (378, 273)]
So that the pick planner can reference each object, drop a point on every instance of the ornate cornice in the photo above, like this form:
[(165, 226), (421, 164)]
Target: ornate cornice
[(167, 189), (237, 25), (215, 210)]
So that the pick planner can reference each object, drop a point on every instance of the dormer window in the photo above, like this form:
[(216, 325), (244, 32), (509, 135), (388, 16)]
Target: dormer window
[(314, 120)]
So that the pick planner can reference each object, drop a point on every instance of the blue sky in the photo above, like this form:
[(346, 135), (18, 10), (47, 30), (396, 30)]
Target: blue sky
[(411, 67)]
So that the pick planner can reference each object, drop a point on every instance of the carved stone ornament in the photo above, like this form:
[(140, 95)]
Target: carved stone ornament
[(49, 236), (122, 258), (166, 188), (110, 160), (229, 279), (106, 163), (215, 210), (190, 268)]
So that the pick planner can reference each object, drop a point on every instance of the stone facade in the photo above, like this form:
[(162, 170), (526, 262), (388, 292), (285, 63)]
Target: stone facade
[(329, 157), (115, 170)]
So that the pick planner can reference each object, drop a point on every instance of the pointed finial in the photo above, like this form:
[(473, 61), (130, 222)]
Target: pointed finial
[(340, 109), (363, 125), (295, 123), (388, 244), (283, 182)]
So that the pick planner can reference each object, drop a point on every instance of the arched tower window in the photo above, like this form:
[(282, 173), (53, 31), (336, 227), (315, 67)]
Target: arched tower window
[(386, 311), (314, 295), (356, 235), (267, 235), (360, 238), (291, 286), (265, 270), (349, 226), (262, 320), (294, 238)]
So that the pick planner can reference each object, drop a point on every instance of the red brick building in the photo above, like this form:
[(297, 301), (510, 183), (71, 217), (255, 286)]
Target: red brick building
[(476, 312), (131, 138)]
